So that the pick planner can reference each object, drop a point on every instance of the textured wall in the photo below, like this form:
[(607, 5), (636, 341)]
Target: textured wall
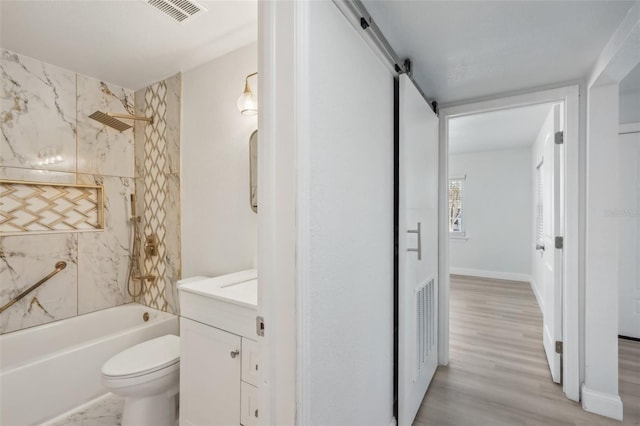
[(345, 234), (45, 109), (220, 230)]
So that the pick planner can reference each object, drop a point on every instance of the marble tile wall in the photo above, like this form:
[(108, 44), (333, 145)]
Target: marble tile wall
[(45, 109), (158, 179)]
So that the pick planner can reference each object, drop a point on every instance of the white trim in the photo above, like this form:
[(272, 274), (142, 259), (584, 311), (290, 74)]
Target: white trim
[(536, 292), (629, 128), (303, 210), (276, 222), (497, 275), (393, 422), (443, 243), (571, 254), (462, 236), (601, 403)]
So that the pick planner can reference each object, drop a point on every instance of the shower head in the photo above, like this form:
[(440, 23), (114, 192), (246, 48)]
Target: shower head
[(106, 119), (111, 119)]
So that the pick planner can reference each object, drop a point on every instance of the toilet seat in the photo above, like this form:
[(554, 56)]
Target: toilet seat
[(156, 357), (119, 383)]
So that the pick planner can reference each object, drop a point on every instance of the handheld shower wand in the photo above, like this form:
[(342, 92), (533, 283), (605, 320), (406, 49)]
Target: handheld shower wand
[(134, 256)]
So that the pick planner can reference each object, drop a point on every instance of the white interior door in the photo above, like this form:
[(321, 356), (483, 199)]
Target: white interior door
[(417, 250), (552, 255), (629, 291)]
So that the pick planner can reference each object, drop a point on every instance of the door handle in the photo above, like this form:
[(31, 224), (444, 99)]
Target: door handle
[(419, 248), (235, 353), (540, 247)]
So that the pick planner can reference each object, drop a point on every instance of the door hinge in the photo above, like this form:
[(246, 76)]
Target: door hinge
[(559, 242), (559, 348), (260, 326), (559, 138)]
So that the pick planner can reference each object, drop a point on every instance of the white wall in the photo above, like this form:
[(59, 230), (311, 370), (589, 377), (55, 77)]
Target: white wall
[(537, 266), (600, 389), (345, 226), (619, 57), (628, 213), (219, 229), (629, 106), (497, 214)]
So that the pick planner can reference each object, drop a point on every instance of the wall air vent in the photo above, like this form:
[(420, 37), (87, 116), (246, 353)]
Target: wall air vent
[(179, 10)]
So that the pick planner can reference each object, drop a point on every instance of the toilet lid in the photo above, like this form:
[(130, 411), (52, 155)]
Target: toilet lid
[(145, 357)]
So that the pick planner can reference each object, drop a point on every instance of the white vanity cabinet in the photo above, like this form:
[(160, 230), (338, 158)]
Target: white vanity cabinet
[(248, 389), (219, 360), (210, 365)]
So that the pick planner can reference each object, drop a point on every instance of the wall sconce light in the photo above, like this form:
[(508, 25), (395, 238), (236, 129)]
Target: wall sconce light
[(248, 102)]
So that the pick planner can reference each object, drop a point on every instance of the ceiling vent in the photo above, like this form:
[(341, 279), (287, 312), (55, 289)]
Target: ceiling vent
[(179, 10)]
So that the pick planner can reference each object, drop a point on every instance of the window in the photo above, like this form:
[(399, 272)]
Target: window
[(456, 218)]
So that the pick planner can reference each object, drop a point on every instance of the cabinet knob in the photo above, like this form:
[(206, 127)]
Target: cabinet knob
[(235, 353), (256, 413)]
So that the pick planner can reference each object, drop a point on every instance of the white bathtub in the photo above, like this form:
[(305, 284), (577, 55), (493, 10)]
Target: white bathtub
[(50, 369)]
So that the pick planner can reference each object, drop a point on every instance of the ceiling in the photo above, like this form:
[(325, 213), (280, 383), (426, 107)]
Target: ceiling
[(465, 50), (460, 49), (126, 42), (491, 131)]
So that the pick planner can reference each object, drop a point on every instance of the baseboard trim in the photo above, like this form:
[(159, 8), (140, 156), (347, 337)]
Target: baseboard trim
[(633, 339), (629, 128), (604, 404), (491, 274), (536, 293)]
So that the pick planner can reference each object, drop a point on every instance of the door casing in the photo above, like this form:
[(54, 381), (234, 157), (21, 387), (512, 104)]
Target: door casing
[(568, 95)]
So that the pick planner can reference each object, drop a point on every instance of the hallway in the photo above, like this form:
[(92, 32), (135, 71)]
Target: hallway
[(498, 374)]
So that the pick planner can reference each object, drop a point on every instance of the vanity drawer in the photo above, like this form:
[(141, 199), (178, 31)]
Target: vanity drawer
[(250, 361), (248, 405)]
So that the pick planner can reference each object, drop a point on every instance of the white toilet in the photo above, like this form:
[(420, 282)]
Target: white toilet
[(148, 376)]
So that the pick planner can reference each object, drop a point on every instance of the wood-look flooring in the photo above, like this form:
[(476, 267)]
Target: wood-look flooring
[(498, 373)]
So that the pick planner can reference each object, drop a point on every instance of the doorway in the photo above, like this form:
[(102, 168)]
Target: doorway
[(561, 312)]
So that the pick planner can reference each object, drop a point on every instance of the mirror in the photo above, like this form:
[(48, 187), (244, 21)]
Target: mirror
[(253, 171)]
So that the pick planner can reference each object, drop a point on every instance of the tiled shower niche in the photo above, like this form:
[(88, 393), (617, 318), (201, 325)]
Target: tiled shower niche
[(28, 207)]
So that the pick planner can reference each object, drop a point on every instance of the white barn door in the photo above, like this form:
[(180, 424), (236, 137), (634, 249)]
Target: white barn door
[(417, 249), (552, 256)]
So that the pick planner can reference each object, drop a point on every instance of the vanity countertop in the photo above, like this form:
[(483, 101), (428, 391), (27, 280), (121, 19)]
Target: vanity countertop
[(240, 288), (228, 302), (243, 293)]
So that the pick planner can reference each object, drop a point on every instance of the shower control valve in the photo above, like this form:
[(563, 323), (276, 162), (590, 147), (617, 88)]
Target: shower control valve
[(151, 245)]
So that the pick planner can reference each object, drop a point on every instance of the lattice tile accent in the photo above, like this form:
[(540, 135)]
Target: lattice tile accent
[(27, 207), (155, 192)]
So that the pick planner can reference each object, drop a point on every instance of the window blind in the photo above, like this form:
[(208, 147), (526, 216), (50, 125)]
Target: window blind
[(539, 204)]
